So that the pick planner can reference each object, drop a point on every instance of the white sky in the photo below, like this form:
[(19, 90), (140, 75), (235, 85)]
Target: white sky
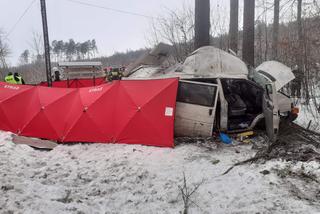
[(113, 31)]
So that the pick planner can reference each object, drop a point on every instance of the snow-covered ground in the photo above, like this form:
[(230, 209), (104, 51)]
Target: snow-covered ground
[(96, 178), (309, 113)]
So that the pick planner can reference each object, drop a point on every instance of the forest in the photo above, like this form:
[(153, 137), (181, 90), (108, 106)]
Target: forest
[(257, 31)]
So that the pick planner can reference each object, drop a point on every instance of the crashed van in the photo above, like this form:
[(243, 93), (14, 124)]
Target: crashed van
[(217, 92)]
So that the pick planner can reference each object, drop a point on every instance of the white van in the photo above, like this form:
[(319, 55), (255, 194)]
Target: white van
[(217, 92)]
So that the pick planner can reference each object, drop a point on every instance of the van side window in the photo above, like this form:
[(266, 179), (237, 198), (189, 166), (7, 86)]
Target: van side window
[(197, 94)]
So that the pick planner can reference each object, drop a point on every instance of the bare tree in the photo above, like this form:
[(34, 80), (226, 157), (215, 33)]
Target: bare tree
[(175, 28), (300, 33), (301, 76), (202, 23), (275, 37), (234, 25), (260, 36), (248, 32), (36, 45), (4, 50), (303, 67), (24, 57)]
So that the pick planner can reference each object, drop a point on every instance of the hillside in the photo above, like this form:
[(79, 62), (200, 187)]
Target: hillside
[(35, 72)]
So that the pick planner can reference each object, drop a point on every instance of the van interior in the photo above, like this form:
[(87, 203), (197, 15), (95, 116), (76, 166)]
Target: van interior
[(244, 99), (244, 102)]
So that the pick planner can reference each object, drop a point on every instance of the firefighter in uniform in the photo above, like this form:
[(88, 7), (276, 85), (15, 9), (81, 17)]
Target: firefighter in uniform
[(114, 74)]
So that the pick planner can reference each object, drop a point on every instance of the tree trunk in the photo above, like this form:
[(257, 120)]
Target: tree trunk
[(248, 32), (300, 35), (259, 44), (234, 25), (202, 23), (303, 75), (275, 39)]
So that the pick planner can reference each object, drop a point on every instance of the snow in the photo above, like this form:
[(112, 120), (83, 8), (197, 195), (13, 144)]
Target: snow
[(309, 113), (102, 178)]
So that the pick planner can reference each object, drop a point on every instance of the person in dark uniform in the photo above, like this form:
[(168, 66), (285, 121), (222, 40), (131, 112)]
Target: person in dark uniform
[(18, 79), (114, 74), (297, 82), (57, 75)]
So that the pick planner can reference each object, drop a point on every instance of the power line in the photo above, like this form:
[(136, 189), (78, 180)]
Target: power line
[(20, 18), (112, 9)]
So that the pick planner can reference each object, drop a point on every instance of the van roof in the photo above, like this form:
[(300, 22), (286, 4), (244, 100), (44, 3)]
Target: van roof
[(212, 62)]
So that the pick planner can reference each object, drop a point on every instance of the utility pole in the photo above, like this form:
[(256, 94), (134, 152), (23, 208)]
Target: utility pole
[(46, 41), (202, 23)]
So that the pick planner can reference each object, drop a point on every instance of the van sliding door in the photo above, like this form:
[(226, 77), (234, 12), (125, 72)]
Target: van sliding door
[(196, 107)]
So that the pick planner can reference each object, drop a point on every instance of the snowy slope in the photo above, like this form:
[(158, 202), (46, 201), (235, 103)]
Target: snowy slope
[(309, 113), (136, 179)]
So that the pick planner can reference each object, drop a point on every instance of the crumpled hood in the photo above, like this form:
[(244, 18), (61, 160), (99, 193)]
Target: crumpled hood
[(280, 72)]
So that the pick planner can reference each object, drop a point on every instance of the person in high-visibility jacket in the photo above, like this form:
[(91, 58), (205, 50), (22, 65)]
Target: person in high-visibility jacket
[(14, 79), (10, 78)]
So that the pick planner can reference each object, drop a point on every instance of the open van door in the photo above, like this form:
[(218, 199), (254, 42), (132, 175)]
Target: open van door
[(273, 76), (196, 109), (271, 111)]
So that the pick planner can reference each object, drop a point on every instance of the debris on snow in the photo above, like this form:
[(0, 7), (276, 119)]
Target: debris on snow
[(100, 178)]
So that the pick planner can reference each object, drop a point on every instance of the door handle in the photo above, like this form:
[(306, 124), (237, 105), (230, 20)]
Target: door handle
[(210, 112)]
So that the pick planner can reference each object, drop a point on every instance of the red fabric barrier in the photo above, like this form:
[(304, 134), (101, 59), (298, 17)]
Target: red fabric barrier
[(129, 111), (76, 83)]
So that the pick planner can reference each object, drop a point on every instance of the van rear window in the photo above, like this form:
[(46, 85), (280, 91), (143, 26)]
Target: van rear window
[(197, 94)]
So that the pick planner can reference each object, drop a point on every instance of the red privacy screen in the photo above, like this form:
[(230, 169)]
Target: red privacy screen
[(76, 83), (128, 111)]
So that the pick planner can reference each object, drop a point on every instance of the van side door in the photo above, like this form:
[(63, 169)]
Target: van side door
[(196, 108)]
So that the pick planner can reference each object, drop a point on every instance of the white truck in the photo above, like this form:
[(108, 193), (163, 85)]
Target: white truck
[(80, 70)]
